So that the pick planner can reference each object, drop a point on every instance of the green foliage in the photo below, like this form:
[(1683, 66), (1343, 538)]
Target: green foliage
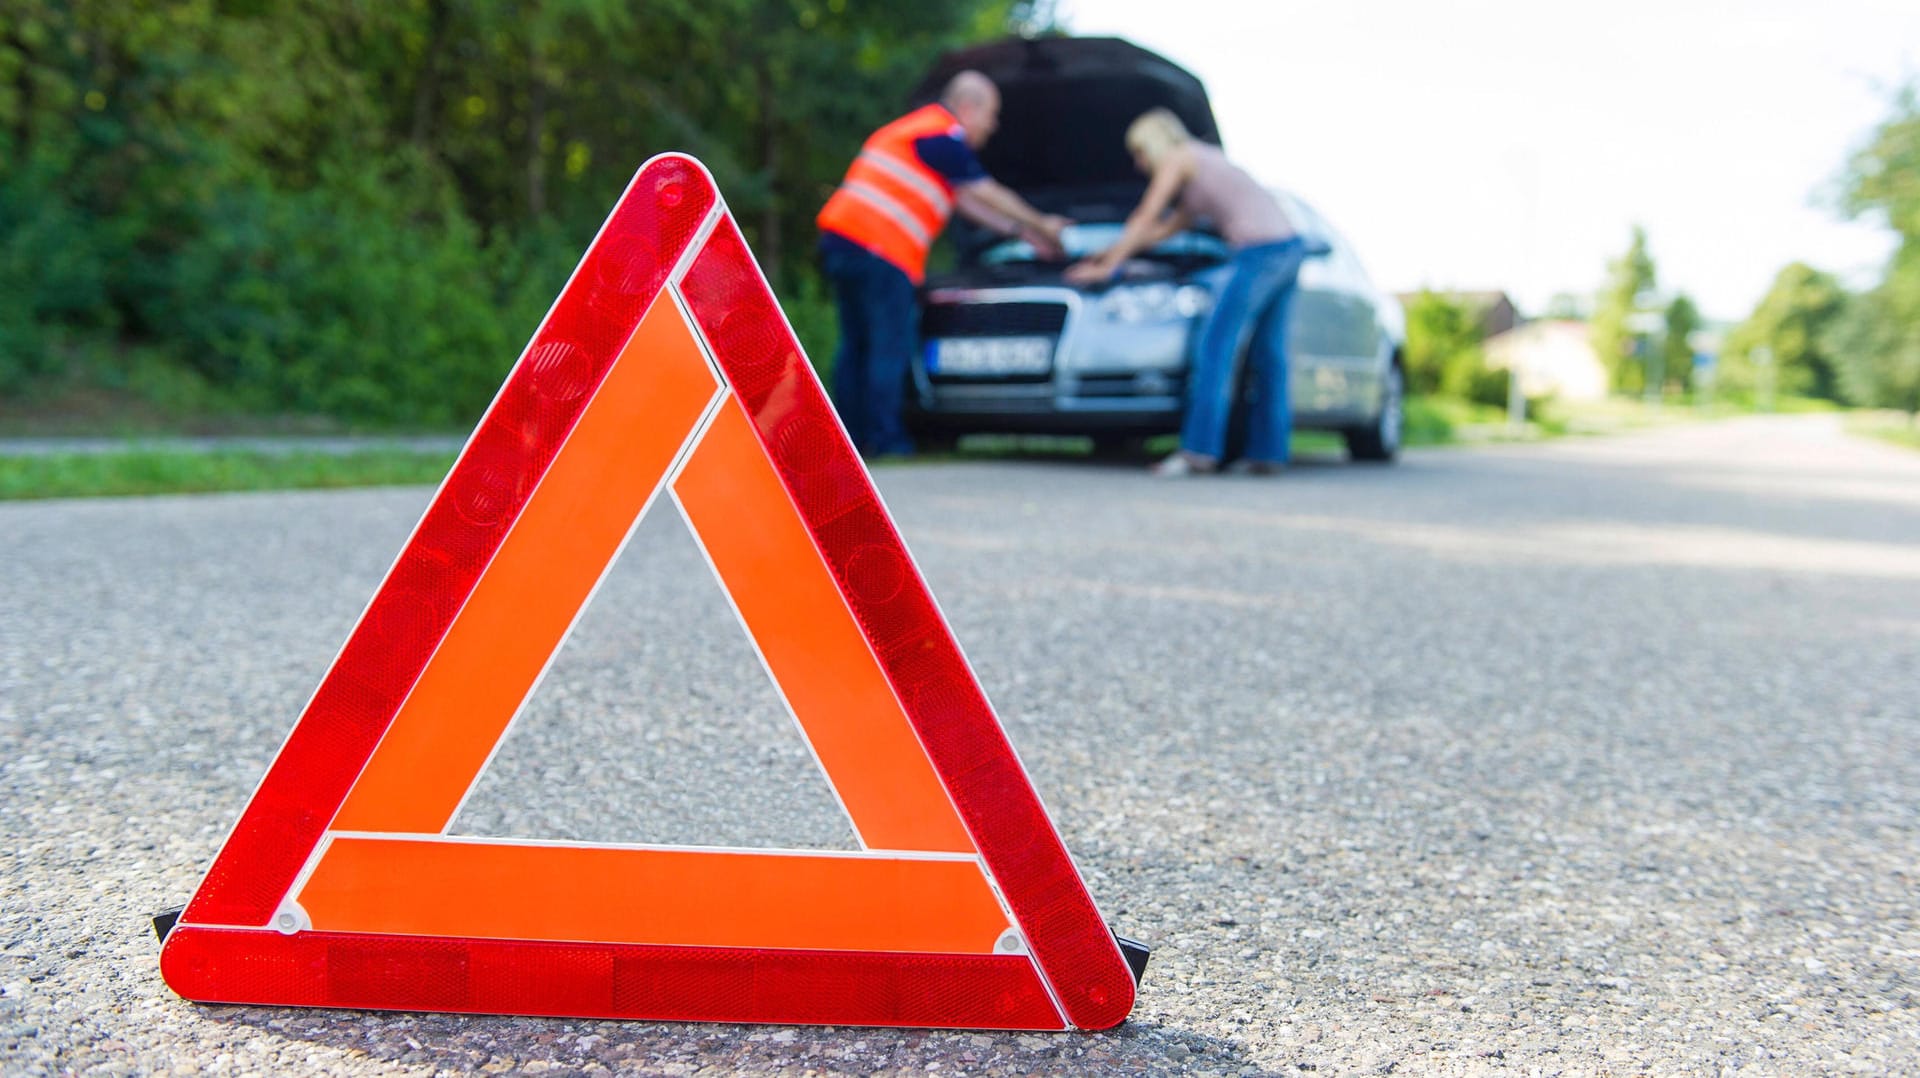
[(1565, 306), (161, 471), (336, 300), (1883, 176), (1443, 345), (808, 305), (1676, 346), (51, 267), (362, 209), (1615, 339), (1487, 385), (1443, 352), (1426, 423), (1877, 335), (1792, 322), (1890, 427)]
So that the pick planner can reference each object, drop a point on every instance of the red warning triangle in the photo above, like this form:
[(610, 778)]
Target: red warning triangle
[(665, 368)]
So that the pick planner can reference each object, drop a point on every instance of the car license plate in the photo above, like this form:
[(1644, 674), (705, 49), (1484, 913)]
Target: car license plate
[(977, 357)]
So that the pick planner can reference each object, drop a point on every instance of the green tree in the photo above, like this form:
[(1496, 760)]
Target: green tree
[(1791, 321), (1883, 176), (1877, 335), (1617, 342), (362, 208), (1443, 345), (1565, 306), (1676, 344)]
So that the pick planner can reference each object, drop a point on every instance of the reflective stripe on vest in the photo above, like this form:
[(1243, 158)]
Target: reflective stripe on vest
[(881, 201), (890, 202), (929, 191)]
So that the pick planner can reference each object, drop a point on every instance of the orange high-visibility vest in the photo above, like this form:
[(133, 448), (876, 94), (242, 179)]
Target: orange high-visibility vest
[(891, 203)]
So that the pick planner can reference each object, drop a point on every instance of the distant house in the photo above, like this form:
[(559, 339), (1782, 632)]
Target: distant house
[(1552, 357), (1496, 310)]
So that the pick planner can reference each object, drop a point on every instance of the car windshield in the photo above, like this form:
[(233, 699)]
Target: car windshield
[(1090, 239)]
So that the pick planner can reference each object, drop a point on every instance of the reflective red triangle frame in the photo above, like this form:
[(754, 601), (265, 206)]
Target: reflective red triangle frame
[(223, 948)]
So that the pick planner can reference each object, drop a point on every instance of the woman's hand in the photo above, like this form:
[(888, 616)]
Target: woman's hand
[(1154, 219), (1091, 271)]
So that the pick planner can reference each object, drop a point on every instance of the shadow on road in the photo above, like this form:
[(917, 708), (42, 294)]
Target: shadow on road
[(557, 1046)]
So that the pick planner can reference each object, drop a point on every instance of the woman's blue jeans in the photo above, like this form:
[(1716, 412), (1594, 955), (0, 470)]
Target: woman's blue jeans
[(1259, 287)]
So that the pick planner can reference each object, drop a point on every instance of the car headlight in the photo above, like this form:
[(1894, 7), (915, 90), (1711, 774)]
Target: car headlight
[(1191, 300), (1157, 302)]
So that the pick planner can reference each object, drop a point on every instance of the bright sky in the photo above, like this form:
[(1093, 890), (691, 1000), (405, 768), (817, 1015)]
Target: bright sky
[(1512, 145)]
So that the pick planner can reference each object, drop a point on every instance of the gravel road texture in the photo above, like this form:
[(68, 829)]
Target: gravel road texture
[(1593, 757)]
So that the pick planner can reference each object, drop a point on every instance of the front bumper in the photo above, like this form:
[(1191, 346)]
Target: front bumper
[(1105, 377)]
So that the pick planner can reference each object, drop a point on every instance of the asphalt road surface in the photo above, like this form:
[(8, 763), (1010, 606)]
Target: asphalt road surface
[(1592, 757)]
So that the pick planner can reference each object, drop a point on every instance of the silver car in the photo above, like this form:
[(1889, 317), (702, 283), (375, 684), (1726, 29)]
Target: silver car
[(1008, 346)]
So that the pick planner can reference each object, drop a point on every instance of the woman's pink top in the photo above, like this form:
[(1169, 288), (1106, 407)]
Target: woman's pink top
[(1244, 212)]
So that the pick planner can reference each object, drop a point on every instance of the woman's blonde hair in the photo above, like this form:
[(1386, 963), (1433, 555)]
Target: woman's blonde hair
[(1156, 133)]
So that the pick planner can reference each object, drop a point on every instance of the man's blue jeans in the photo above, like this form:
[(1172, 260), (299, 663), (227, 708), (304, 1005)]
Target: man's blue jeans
[(879, 327), (1259, 288)]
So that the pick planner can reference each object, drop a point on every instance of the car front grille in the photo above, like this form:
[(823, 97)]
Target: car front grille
[(992, 319)]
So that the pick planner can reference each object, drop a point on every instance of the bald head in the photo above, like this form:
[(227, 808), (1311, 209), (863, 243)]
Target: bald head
[(975, 101)]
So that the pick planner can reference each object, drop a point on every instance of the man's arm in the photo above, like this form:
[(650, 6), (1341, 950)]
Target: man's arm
[(990, 203), (996, 197), (984, 202), (974, 207)]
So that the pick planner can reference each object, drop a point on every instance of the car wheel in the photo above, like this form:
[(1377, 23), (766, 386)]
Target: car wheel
[(1379, 441)]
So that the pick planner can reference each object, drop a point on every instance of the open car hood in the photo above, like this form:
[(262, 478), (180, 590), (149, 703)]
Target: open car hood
[(1066, 103)]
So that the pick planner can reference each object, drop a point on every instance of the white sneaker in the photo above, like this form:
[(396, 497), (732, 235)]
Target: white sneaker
[(1185, 463)]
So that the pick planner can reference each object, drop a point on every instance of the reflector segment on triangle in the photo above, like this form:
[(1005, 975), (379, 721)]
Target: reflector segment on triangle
[(664, 371)]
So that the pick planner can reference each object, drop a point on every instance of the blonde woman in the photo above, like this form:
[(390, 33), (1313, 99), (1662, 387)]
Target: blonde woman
[(1191, 179)]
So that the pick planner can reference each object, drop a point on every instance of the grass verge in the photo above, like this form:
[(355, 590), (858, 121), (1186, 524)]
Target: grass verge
[(1892, 427), (1430, 421), (162, 471)]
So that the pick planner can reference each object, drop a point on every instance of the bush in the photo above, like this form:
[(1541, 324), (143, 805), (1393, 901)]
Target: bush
[(51, 272), (1488, 385), (339, 300), (808, 303), (1425, 423), (1443, 344)]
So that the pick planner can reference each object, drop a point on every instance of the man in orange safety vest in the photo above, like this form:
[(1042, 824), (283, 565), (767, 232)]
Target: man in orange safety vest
[(875, 233)]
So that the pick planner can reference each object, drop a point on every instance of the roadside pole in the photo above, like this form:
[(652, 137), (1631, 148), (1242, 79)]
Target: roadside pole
[(1516, 399)]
